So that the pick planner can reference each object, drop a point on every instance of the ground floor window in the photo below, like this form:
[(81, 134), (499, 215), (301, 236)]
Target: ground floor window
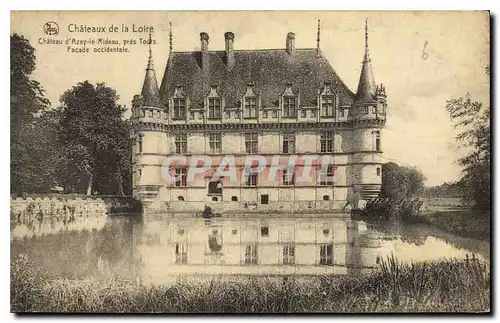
[(181, 253), (264, 199), (326, 254), (251, 254), (289, 254)]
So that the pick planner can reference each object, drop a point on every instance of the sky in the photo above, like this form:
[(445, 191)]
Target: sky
[(418, 131)]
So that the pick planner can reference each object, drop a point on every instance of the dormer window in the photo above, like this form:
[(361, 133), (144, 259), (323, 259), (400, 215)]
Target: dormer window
[(214, 103), (289, 100), (327, 106), (214, 108), (328, 101), (179, 109), (250, 110), (250, 102), (178, 103), (289, 107)]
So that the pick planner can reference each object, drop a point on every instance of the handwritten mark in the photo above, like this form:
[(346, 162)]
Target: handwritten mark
[(425, 55)]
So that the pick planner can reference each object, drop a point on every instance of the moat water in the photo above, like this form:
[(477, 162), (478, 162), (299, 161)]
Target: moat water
[(160, 249)]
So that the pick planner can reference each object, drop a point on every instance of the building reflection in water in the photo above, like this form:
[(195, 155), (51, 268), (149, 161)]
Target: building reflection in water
[(164, 250), (279, 247)]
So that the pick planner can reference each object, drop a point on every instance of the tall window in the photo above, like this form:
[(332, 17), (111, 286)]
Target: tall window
[(180, 177), (289, 105), (251, 179), (289, 254), (181, 253), (251, 257), (214, 108), (139, 143), (179, 109), (378, 171), (326, 254), (180, 143), (327, 178), (328, 106), (289, 143), (288, 177), (215, 143), (377, 141), (326, 142), (250, 107), (251, 143)]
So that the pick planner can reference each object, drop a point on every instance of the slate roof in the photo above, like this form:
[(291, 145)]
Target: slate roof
[(268, 69), (150, 92), (366, 86)]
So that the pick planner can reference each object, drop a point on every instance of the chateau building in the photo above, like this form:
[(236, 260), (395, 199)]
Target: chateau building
[(269, 102)]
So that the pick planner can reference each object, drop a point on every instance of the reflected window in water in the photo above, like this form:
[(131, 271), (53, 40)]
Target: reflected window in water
[(251, 257), (289, 254), (326, 254), (181, 253)]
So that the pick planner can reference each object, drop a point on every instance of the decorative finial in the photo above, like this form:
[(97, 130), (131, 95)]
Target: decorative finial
[(317, 38), (170, 37), (150, 52), (367, 54), (150, 58)]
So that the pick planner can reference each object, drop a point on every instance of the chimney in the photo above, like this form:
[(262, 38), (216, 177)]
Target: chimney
[(229, 37), (204, 49), (290, 43)]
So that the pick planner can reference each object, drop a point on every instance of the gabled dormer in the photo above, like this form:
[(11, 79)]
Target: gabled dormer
[(214, 103), (250, 102), (289, 102), (178, 104), (328, 101)]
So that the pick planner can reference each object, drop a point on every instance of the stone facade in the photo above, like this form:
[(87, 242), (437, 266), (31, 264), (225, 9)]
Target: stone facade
[(218, 106)]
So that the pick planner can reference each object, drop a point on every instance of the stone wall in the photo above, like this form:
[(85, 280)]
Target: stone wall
[(228, 208), (66, 208)]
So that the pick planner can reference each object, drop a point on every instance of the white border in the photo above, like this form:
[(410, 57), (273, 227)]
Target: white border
[(192, 5)]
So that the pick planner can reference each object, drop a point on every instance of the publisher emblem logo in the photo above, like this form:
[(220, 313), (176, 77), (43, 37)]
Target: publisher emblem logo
[(51, 28)]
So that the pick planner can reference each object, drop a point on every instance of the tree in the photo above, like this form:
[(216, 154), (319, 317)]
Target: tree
[(43, 158), (472, 119), (400, 183), (95, 140), (26, 101)]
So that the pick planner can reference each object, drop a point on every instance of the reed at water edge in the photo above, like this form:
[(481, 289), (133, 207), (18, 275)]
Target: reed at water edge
[(444, 286)]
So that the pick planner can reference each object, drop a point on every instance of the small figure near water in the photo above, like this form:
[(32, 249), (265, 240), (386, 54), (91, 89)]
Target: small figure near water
[(207, 213)]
